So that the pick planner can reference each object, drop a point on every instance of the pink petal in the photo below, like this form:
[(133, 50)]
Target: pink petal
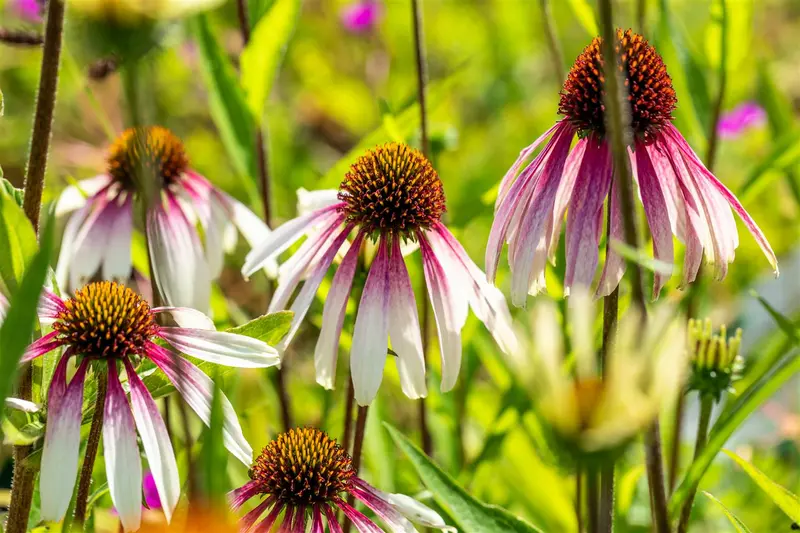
[(91, 240), (67, 251), (615, 264), (249, 520), (370, 335), (362, 523), (265, 526), (564, 195), (41, 346), (156, 442), (286, 525), (404, 329), (49, 307), (655, 209), (62, 440), (372, 499), (198, 389), (280, 239), (123, 466), (117, 261), (238, 497), (585, 217), (333, 522), (317, 526), (450, 307), (333, 314)]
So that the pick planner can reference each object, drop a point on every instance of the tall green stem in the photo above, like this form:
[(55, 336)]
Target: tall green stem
[(553, 44), (23, 481), (706, 409), (92, 445), (358, 446), (713, 134)]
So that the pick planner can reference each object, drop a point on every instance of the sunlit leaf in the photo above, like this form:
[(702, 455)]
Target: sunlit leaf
[(17, 240), (470, 514), (735, 522), (262, 56), (788, 502), (268, 328), (213, 457), (584, 12)]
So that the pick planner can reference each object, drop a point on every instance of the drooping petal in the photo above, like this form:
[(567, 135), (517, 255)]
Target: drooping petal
[(417, 512), (186, 317), (198, 389), (286, 525), (306, 295), (90, 241), (308, 201), (487, 301), (565, 190), (450, 306), (391, 517), (249, 520), (49, 306), (22, 405), (371, 331), (219, 219), (398, 509), (317, 526), (280, 239), (221, 348), (252, 228), (73, 197), (117, 261), (362, 523), (156, 442), (61, 441), (333, 522), (41, 346), (614, 267), (265, 526), (656, 211), (67, 251), (180, 268), (585, 217), (238, 497), (404, 330), (333, 314), (121, 452)]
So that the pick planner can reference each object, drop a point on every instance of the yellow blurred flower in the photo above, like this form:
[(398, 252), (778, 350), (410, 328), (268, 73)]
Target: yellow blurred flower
[(134, 11), (195, 520)]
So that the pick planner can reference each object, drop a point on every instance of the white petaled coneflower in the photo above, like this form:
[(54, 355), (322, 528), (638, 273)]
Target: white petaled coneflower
[(105, 324), (390, 196), (716, 363), (304, 477), (590, 411), (680, 195), (97, 237)]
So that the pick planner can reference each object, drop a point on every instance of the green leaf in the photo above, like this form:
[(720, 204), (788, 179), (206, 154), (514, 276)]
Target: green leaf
[(213, 457), (471, 515), (641, 258), (788, 502), (226, 100), (262, 56), (17, 241), (785, 324), (730, 419), (20, 428), (269, 328), (784, 155), (20, 321), (15, 193), (735, 522), (585, 14)]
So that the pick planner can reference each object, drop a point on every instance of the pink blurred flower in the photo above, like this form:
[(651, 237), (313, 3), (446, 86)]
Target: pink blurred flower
[(81, 326), (30, 10), (680, 195), (361, 16), (746, 115), (150, 490)]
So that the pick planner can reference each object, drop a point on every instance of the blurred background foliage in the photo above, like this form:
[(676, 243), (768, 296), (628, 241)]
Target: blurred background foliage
[(494, 89)]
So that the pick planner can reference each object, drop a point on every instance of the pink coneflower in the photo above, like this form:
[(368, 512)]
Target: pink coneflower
[(746, 115), (680, 196), (106, 326), (304, 476), (361, 16), (392, 194), (97, 238)]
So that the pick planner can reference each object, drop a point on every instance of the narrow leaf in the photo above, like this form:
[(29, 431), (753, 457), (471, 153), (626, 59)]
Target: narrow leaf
[(269, 328), (735, 522), (783, 322), (471, 515), (213, 456), (788, 502), (17, 241)]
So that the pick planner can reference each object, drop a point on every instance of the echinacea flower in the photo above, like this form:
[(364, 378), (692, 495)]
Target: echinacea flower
[(746, 115), (592, 412), (391, 195), (361, 16), (97, 238), (303, 477), (680, 195), (105, 326)]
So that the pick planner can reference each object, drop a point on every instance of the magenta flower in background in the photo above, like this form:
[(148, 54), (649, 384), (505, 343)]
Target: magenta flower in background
[(361, 16), (97, 237), (150, 491), (30, 10), (680, 196), (80, 326), (307, 476), (392, 195), (746, 115)]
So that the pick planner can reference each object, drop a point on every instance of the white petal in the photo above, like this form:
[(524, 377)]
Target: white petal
[(222, 348), (370, 335), (198, 389), (90, 243), (417, 512), (215, 227), (117, 254), (121, 452), (404, 330), (75, 196), (252, 228), (62, 441), (156, 443), (65, 255), (186, 317), (308, 201), (23, 405)]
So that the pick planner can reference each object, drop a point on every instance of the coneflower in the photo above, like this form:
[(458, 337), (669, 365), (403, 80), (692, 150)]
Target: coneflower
[(390, 196), (680, 195)]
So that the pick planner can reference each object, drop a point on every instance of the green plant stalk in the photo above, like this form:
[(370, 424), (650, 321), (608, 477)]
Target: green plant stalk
[(592, 499), (358, 446), (92, 445), (553, 44), (23, 480), (706, 408), (713, 135)]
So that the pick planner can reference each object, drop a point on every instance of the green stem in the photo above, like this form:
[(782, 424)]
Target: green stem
[(706, 409), (358, 446), (713, 135), (92, 445), (553, 44), (592, 499)]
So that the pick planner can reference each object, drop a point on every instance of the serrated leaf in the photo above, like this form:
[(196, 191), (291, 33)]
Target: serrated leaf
[(788, 502), (735, 522), (269, 328), (261, 58), (17, 241), (471, 515)]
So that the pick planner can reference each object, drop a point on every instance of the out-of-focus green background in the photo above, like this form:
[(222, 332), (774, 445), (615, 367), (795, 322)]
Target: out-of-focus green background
[(493, 90)]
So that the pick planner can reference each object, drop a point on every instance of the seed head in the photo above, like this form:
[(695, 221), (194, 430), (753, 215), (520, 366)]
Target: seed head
[(148, 152)]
